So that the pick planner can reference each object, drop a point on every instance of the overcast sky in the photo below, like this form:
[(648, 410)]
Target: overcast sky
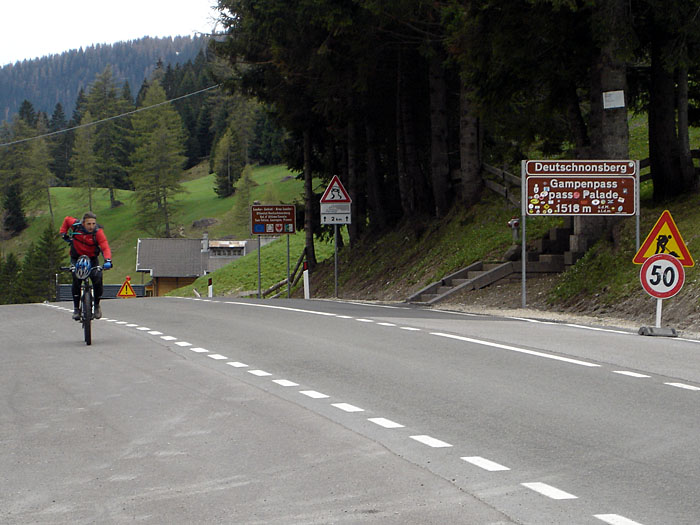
[(35, 28)]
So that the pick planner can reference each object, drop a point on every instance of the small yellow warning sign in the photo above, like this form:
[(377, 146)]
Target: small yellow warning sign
[(664, 238), (126, 290)]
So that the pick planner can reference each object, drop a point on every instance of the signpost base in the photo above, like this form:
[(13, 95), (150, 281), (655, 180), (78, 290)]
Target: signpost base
[(658, 331)]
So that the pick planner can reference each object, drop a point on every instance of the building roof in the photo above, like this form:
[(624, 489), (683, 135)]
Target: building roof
[(171, 257)]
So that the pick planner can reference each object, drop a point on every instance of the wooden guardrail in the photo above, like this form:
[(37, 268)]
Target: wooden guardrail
[(294, 278)]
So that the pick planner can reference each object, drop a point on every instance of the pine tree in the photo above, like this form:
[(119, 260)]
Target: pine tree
[(9, 280), (31, 288), (158, 161), (111, 136), (84, 161), (60, 145), (15, 220), (41, 264), (229, 162)]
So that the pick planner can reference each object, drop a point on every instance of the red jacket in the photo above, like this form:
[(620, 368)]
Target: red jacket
[(84, 242)]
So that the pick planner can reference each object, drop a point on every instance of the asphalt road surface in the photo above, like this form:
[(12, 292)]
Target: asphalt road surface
[(314, 412)]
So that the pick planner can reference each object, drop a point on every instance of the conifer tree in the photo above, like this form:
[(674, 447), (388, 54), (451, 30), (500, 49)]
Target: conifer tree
[(111, 136), (9, 280), (84, 161), (31, 288), (229, 162), (60, 145), (158, 161), (40, 266)]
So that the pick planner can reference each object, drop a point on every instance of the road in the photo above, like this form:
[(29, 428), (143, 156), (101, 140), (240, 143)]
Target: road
[(244, 411)]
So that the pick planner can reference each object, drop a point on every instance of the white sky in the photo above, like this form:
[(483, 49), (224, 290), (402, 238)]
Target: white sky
[(32, 29)]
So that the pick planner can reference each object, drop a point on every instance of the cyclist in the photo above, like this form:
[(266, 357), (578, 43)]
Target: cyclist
[(87, 238)]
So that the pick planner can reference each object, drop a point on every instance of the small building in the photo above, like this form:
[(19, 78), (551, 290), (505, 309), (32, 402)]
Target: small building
[(173, 263)]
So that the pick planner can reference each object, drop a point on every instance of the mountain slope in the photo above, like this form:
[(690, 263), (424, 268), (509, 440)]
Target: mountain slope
[(58, 78)]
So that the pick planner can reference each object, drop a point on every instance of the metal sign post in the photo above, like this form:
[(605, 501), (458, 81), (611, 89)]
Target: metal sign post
[(279, 219), (336, 210)]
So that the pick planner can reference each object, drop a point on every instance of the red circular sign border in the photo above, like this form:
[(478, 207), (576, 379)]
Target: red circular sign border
[(675, 262)]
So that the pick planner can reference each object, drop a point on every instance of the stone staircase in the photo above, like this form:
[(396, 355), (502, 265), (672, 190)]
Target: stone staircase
[(548, 255)]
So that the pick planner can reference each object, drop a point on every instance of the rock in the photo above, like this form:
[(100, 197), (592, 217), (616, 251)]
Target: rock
[(204, 223)]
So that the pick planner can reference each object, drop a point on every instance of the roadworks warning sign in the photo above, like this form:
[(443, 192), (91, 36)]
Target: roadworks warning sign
[(664, 238)]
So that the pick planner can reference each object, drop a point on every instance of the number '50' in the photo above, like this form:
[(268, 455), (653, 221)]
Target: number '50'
[(668, 276)]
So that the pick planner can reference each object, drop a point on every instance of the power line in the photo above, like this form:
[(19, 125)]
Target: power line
[(109, 118)]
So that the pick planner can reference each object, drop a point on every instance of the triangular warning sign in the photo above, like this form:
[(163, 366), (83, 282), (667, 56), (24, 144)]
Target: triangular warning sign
[(664, 238), (335, 192), (126, 290)]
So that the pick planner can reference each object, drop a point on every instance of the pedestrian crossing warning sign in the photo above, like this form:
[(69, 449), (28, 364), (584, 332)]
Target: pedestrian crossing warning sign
[(126, 290), (664, 238)]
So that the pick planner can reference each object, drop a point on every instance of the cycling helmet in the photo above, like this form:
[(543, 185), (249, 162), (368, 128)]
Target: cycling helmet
[(83, 267)]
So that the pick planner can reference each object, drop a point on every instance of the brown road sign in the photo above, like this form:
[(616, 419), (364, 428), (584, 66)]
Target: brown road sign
[(580, 195), (273, 219), (580, 167)]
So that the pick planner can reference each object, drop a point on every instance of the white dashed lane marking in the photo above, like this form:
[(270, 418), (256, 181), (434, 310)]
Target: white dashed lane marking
[(155, 332), (313, 394), (236, 364), (284, 382), (199, 350), (431, 441), (183, 343), (168, 338), (630, 374), (217, 357), (346, 407), (259, 373), (615, 519), (485, 464), (386, 423), (549, 491), (684, 386)]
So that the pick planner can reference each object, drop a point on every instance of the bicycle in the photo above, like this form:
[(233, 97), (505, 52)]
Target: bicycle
[(83, 270)]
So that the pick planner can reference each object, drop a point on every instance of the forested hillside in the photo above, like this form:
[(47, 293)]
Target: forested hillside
[(58, 78), (407, 100)]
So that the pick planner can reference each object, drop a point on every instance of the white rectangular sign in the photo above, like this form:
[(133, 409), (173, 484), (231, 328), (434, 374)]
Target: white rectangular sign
[(336, 218)]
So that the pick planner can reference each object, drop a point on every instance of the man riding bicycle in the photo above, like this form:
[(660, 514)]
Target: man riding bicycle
[(86, 238)]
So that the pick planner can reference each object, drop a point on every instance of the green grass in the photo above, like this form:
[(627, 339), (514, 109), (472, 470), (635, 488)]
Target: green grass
[(121, 224), (242, 274)]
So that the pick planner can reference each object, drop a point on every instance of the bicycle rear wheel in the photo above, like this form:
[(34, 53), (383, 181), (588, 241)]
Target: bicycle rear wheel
[(87, 317)]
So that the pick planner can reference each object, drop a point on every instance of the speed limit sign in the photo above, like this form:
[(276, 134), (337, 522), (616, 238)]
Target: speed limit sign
[(662, 276)]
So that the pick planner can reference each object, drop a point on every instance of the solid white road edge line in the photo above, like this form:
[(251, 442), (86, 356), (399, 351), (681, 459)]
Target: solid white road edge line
[(516, 349)]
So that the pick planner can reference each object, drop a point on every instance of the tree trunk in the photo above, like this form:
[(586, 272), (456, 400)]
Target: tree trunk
[(469, 148), (439, 161), (577, 124), (376, 207), (309, 202), (663, 140), (353, 186), (686, 161), (406, 186), (608, 130)]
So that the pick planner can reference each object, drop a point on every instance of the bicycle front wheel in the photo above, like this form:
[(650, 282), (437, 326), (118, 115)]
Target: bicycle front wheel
[(87, 317)]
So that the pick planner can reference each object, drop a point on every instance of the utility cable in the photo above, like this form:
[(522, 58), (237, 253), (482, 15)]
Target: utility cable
[(109, 118)]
